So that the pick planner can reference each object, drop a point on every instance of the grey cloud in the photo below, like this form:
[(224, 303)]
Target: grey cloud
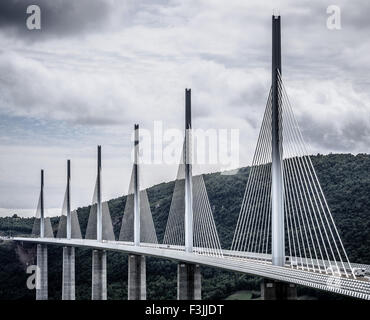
[(29, 89), (136, 57), (58, 17), (66, 18), (355, 15)]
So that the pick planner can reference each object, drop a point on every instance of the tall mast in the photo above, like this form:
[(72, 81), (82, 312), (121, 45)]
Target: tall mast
[(136, 188), (42, 217), (278, 243), (69, 222), (99, 225), (188, 175)]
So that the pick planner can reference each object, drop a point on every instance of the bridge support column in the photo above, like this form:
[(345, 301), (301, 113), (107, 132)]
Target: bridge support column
[(68, 290), (42, 272), (189, 282), (99, 275), (136, 277), (277, 290)]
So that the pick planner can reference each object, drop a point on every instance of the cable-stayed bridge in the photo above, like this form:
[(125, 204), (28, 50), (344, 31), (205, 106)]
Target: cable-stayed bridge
[(285, 232)]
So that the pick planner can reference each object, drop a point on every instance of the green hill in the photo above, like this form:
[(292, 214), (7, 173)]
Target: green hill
[(345, 180)]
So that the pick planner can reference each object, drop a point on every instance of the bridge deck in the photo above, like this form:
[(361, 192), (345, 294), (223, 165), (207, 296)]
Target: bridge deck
[(358, 288)]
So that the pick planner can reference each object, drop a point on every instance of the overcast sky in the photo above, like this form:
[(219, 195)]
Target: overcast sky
[(96, 67)]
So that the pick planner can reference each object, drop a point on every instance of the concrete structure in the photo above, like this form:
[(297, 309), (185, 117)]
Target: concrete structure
[(42, 272), (277, 290), (136, 277), (68, 289), (99, 275), (189, 282), (99, 257), (253, 265), (68, 283), (136, 188), (42, 253), (42, 215), (69, 223), (99, 220), (188, 275), (136, 264), (277, 197), (188, 175)]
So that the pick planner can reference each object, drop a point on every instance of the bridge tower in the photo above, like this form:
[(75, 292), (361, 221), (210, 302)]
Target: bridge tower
[(99, 224), (42, 253), (136, 263), (136, 188), (99, 257), (188, 175), (188, 275), (69, 224), (278, 247), (42, 218), (68, 286), (275, 290)]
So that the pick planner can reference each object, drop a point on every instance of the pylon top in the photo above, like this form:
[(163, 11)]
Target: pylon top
[(276, 13)]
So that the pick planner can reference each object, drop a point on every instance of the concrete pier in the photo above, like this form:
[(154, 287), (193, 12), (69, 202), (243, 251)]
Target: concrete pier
[(136, 277), (99, 275), (189, 282), (277, 290), (42, 273), (68, 289)]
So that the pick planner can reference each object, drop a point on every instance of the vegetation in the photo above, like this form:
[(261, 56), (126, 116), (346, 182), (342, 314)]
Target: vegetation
[(241, 295), (345, 180)]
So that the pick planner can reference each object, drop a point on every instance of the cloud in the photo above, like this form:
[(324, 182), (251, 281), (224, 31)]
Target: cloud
[(58, 17), (98, 67), (70, 18), (333, 116)]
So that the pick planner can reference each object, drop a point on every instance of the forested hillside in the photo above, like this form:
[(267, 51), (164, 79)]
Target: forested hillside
[(345, 180)]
